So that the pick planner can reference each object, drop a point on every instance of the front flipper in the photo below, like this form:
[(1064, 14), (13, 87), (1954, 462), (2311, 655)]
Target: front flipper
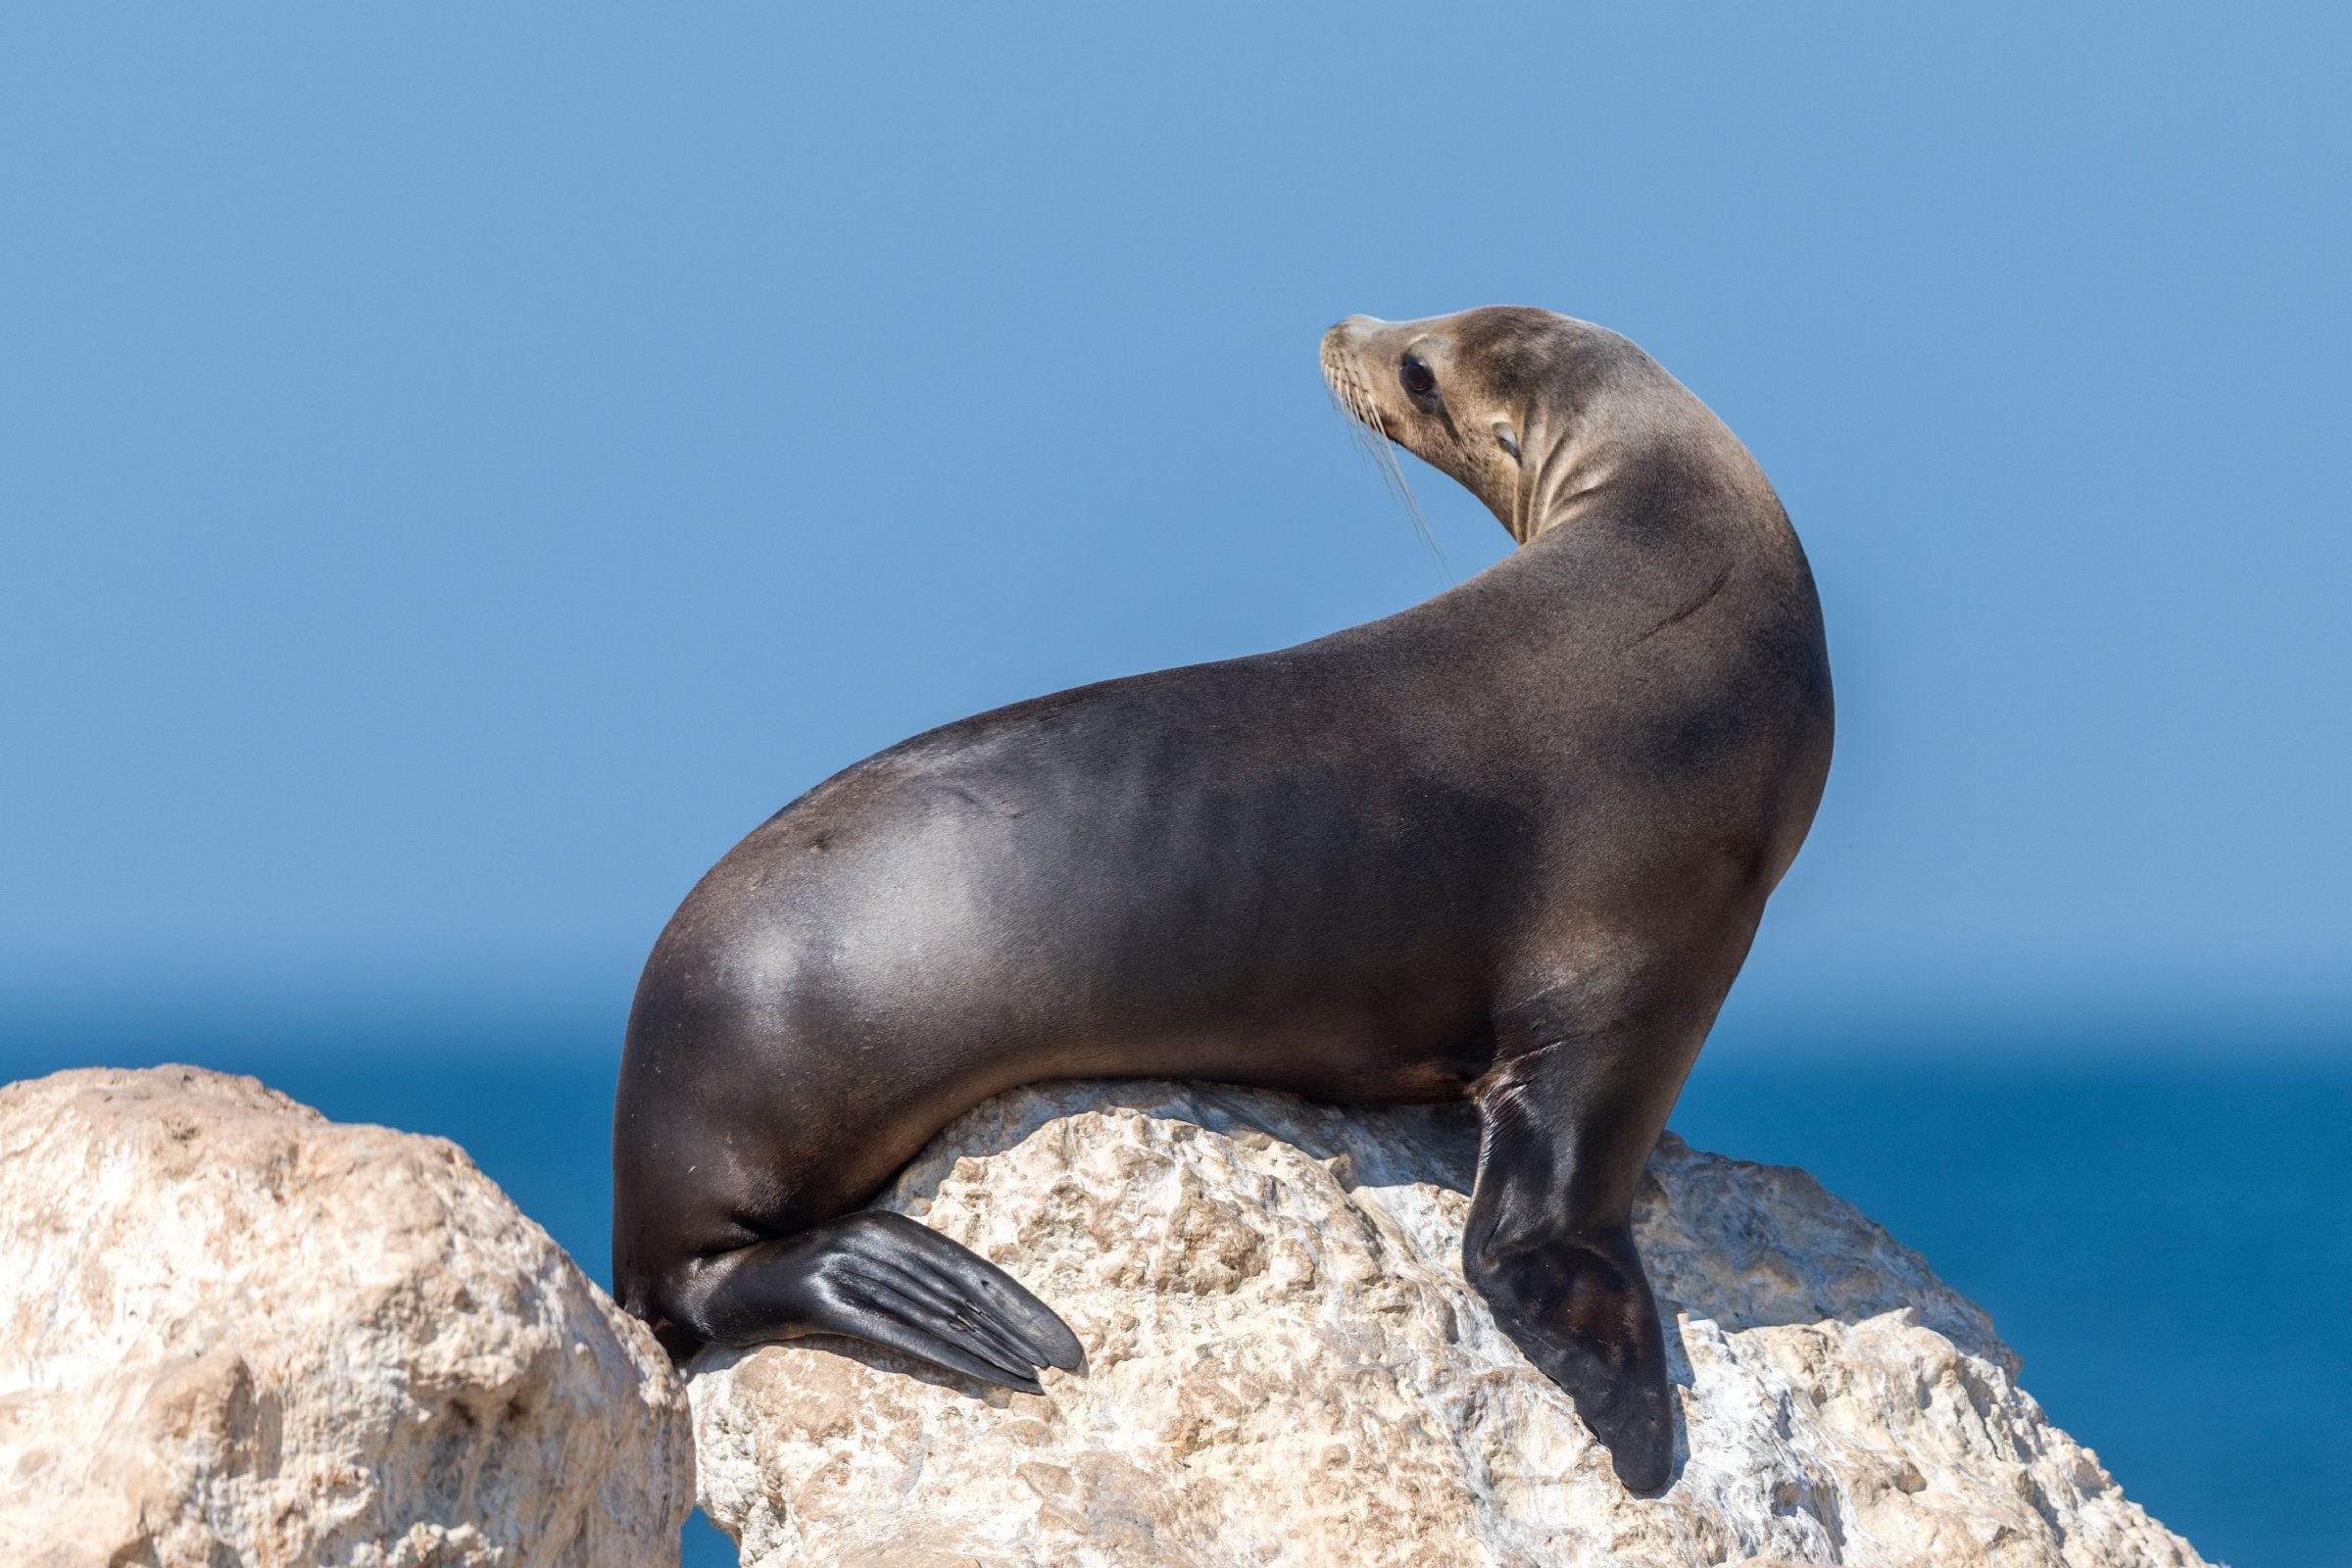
[(1581, 1310), (1568, 1127), (888, 1280)]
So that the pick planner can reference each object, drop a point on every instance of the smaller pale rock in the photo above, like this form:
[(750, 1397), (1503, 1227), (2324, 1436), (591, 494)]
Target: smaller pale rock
[(1287, 1370), (232, 1331)]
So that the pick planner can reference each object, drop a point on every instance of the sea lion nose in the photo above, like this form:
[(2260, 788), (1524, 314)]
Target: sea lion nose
[(1345, 331)]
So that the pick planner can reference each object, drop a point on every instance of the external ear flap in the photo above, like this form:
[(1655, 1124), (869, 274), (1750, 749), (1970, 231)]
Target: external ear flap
[(1506, 439)]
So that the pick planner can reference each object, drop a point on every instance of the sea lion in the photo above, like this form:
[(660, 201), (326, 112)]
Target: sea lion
[(1512, 845)]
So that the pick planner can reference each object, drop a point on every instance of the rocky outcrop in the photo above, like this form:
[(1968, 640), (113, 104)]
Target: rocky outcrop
[(232, 1331), (1287, 1368)]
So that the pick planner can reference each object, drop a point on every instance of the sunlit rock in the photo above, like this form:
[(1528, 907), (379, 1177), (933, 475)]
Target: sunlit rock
[(1287, 1368), (232, 1331)]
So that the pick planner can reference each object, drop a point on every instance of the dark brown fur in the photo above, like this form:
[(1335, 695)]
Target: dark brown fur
[(1511, 844)]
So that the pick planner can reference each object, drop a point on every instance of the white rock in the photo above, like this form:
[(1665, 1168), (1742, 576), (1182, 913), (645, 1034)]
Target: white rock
[(1287, 1368), (232, 1331)]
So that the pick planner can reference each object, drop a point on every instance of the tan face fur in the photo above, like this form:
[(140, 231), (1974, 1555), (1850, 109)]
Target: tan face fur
[(1527, 409), (1412, 383)]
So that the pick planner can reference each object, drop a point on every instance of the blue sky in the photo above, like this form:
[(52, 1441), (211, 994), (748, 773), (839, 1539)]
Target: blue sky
[(464, 468)]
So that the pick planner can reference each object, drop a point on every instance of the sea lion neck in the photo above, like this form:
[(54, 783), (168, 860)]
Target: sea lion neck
[(1562, 483), (1634, 441)]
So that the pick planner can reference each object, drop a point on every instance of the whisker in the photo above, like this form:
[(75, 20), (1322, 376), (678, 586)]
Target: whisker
[(1354, 399), (1405, 491)]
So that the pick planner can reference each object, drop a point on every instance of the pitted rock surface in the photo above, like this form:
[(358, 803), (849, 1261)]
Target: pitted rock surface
[(232, 1331), (1286, 1367)]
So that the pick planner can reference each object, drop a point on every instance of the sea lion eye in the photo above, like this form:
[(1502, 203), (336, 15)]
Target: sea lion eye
[(1417, 376)]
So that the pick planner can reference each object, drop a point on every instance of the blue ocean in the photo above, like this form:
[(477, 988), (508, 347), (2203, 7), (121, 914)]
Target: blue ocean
[(2161, 1235)]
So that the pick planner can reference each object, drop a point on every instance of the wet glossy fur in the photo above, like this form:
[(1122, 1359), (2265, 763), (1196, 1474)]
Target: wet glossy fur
[(1511, 844)]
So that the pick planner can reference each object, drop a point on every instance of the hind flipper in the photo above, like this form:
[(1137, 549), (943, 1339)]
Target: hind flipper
[(889, 1280)]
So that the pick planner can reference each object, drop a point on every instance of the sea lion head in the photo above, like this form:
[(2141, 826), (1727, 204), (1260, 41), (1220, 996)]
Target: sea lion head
[(1492, 397)]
